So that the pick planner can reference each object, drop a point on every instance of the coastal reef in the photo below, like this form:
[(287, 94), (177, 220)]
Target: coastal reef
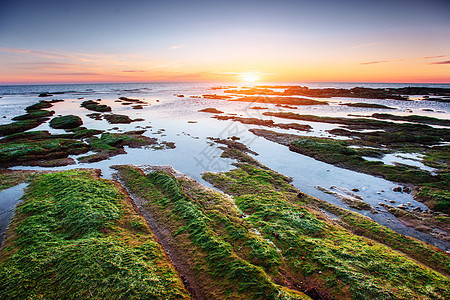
[(78, 236)]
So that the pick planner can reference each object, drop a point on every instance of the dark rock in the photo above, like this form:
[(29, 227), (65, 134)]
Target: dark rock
[(406, 189), (95, 116), (34, 115), (301, 195), (38, 106), (95, 106), (355, 190), (397, 189), (45, 94), (117, 119), (211, 110)]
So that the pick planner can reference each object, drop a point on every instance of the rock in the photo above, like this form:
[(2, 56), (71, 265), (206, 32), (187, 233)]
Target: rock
[(66, 122), (406, 189), (301, 195), (95, 116), (401, 206), (355, 190), (418, 209), (38, 106), (397, 189), (117, 119), (45, 94), (391, 201), (211, 110), (94, 106)]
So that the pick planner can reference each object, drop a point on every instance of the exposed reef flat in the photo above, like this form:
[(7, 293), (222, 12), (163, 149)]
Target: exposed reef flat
[(268, 123), (306, 239), (281, 100), (79, 233), (215, 248), (367, 105), (356, 92), (431, 189)]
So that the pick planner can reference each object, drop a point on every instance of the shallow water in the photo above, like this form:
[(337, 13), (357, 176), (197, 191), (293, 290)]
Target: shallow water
[(169, 120), (8, 201)]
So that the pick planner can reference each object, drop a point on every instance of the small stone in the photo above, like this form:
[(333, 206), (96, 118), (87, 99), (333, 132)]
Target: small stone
[(397, 189), (355, 190), (392, 201)]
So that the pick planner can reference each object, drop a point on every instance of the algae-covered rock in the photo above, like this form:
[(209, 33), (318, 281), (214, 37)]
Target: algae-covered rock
[(20, 126), (95, 106), (118, 119), (34, 115), (38, 106), (66, 122), (18, 152)]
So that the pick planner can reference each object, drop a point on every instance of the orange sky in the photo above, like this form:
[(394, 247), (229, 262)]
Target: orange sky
[(273, 41)]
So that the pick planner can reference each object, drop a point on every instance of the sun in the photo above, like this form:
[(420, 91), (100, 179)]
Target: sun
[(249, 77)]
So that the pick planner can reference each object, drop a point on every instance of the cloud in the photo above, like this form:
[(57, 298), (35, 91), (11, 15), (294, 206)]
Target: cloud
[(374, 62), (367, 45), (75, 74), (134, 71), (178, 46), (438, 56), (445, 62), (382, 61)]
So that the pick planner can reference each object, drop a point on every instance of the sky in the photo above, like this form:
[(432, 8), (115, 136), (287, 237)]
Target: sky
[(46, 41)]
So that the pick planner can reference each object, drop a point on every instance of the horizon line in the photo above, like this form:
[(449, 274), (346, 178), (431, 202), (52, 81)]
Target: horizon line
[(212, 81)]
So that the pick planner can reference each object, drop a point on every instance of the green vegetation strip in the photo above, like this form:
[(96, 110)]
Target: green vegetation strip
[(10, 178), (229, 260), (76, 236), (321, 254), (16, 151)]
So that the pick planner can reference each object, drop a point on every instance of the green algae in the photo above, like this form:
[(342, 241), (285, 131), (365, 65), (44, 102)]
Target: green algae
[(19, 151), (66, 122), (322, 254), (73, 238), (230, 261), (95, 106), (20, 126)]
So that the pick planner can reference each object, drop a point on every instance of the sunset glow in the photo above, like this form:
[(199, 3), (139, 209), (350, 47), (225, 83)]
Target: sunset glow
[(287, 41), (249, 77)]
